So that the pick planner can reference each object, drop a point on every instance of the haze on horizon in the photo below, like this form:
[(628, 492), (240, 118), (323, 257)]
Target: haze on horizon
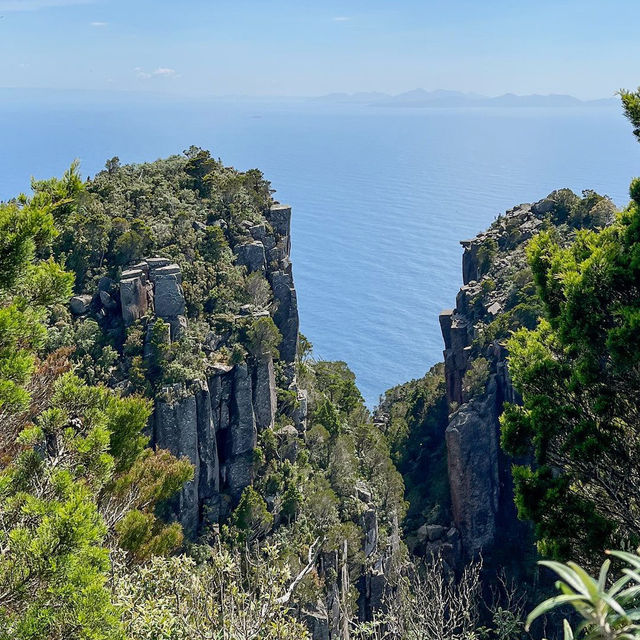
[(585, 48)]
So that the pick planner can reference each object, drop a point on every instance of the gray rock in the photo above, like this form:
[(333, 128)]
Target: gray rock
[(80, 304), (269, 243), (176, 429), (133, 300), (199, 226), (178, 326), (250, 255), (105, 284), (209, 480), (472, 452), (264, 393), (494, 309), (239, 475), (317, 623), (242, 436), (446, 319), (155, 263), (166, 270), (363, 492), (169, 298), (107, 301), (286, 315), (288, 442), (301, 411), (370, 527), (258, 232), (279, 216), (435, 532), (543, 206), (127, 274)]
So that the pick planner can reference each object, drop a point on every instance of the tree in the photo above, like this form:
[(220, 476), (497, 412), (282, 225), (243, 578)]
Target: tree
[(579, 376), (73, 460), (82, 482), (631, 106), (226, 596), (263, 337)]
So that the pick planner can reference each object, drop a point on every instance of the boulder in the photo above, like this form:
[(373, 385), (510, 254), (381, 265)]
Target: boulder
[(166, 270), (133, 300), (543, 206), (80, 304), (288, 442), (250, 255), (107, 301), (169, 298), (127, 274)]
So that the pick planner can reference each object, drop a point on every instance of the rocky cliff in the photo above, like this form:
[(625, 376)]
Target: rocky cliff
[(213, 420), (497, 297)]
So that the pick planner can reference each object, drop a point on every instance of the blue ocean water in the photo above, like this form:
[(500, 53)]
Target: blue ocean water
[(381, 197)]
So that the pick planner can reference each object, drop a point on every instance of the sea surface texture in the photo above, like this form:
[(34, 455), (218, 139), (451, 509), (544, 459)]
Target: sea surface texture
[(381, 196)]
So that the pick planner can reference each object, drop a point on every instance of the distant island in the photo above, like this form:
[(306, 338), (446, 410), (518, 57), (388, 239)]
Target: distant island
[(444, 98)]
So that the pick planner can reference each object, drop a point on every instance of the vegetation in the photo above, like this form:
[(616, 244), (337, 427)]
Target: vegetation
[(608, 611), (89, 544), (577, 372)]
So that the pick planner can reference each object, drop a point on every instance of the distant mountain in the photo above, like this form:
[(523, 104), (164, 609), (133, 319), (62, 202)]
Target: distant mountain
[(444, 98)]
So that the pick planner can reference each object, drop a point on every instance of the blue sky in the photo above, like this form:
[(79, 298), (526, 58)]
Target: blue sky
[(588, 48)]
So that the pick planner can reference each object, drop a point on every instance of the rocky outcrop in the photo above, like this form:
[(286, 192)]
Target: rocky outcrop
[(473, 464), (251, 255), (80, 304), (214, 422), (280, 276), (479, 472), (286, 315), (134, 298)]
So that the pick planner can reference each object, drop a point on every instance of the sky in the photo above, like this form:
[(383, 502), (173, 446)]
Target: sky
[(587, 48)]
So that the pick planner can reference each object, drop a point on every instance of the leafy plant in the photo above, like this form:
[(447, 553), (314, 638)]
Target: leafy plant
[(608, 611)]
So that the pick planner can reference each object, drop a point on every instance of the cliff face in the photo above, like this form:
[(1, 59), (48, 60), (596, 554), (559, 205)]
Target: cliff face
[(495, 298), (213, 421)]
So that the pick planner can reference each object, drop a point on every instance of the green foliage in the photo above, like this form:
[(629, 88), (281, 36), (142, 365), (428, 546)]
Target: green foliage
[(631, 106), (263, 338), (608, 610), (417, 416), (578, 376), (225, 596), (27, 287), (475, 378), (251, 516), (486, 254)]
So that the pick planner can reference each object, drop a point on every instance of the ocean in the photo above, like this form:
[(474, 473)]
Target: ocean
[(381, 197)]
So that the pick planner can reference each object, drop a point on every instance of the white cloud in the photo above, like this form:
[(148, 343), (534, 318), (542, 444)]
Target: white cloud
[(34, 5), (341, 19), (99, 24), (159, 72)]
